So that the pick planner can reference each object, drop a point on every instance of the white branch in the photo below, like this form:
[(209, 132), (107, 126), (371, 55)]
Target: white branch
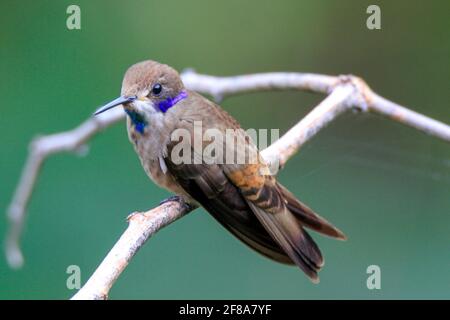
[(40, 149), (141, 227), (345, 92)]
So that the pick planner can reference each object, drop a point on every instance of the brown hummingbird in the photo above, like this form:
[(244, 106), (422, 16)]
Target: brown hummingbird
[(242, 195)]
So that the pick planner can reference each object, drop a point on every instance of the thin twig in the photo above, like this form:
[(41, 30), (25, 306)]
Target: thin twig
[(141, 227), (40, 149), (411, 118), (345, 92)]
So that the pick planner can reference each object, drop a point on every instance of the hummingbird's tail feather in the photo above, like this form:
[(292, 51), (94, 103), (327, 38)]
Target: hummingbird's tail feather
[(308, 217), (263, 245), (294, 240)]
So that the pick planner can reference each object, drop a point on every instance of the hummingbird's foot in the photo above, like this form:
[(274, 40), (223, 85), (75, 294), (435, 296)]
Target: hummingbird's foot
[(172, 199), (180, 200)]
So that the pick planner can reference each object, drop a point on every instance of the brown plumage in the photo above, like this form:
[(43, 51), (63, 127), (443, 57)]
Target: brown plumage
[(244, 198)]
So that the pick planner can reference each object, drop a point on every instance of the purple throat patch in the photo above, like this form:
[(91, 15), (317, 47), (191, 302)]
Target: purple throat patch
[(170, 102)]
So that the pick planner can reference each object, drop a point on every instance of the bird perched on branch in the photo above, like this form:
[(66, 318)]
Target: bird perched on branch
[(172, 130)]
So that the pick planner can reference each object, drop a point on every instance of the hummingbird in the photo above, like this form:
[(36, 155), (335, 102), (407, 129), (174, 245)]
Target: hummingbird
[(244, 197)]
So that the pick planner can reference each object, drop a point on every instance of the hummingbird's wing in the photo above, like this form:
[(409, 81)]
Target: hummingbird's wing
[(263, 196), (209, 185), (259, 218), (243, 196)]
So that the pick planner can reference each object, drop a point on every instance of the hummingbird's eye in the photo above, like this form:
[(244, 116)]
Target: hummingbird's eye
[(157, 88)]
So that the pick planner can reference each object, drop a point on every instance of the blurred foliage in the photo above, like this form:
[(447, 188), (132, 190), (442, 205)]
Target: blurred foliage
[(386, 186)]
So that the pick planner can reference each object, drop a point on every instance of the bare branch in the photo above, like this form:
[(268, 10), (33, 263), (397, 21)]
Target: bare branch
[(221, 87), (40, 149), (345, 92), (141, 227), (411, 118), (218, 87)]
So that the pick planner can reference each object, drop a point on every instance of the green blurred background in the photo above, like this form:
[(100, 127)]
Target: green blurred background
[(385, 185)]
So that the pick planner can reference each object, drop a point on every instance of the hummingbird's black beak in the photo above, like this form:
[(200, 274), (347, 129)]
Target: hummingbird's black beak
[(115, 103)]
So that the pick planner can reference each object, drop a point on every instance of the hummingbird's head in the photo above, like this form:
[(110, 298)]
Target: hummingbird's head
[(149, 89)]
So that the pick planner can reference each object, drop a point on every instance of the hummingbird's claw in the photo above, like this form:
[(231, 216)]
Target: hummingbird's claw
[(180, 200), (172, 199)]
